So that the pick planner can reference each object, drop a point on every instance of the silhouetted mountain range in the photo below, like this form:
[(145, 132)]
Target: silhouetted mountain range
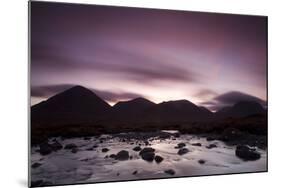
[(81, 105)]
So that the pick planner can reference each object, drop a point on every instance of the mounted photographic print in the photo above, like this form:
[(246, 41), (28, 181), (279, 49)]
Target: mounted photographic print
[(121, 93)]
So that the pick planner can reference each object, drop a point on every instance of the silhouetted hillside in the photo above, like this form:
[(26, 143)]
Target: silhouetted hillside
[(241, 109), (130, 110), (176, 111), (76, 104)]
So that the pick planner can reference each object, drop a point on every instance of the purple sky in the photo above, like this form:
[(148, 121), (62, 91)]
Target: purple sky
[(122, 53)]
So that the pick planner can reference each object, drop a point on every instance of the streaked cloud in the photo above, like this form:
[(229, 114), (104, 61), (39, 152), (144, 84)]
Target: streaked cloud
[(229, 99), (47, 91), (125, 52)]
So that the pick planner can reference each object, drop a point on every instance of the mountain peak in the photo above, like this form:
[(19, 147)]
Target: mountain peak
[(241, 109), (78, 89), (137, 102), (141, 100), (75, 104), (182, 102)]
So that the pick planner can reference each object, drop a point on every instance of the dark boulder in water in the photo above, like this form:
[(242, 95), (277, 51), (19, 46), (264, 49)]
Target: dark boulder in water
[(211, 138), (135, 172), (145, 150), (158, 159), (90, 149), (197, 144), (113, 156), (104, 150), (170, 171), (45, 149), (148, 156), (35, 165), (122, 155), (70, 146), (137, 148), (180, 145), (183, 151), (201, 161), (246, 153), (211, 146)]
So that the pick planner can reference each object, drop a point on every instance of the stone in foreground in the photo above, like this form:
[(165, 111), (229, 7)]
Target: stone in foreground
[(246, 153), (122, 155)]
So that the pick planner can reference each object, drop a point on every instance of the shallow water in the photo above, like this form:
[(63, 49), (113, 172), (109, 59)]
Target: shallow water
[(65, 167)]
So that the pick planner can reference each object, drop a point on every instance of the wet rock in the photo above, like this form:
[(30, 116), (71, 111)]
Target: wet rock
[(246, 153), (145, 150), (85, 160), (201, 161), (35, 165), (56, 146), (146, 143), (117, 174), (104, 150), (211, 138), (148, 156), (135, 172), (183, 151), (122, 155), (170, 171), (113, 156), (158, 159), (197, 144), (137, 148), (131, 157), (180, 145), (90, 149), (211, 146), (45, 149), (70, 146), (95, 146), (106, 156)]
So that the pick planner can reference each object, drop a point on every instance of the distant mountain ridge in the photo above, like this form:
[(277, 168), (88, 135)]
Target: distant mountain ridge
[(81, 105)]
